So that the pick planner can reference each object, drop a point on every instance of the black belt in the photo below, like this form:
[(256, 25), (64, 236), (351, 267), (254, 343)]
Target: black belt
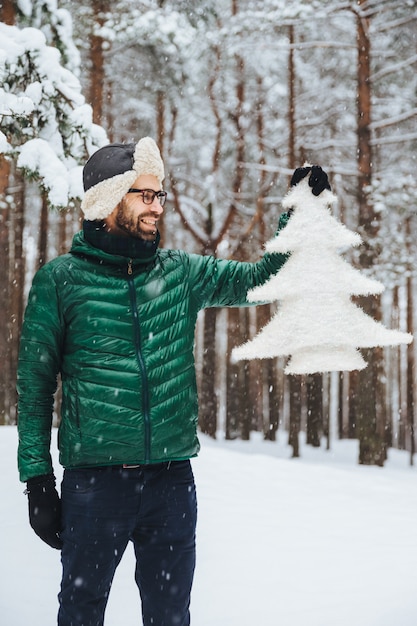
[(128, 466)]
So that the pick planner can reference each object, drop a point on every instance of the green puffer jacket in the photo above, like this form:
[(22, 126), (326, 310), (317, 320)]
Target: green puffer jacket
[(121, 334)]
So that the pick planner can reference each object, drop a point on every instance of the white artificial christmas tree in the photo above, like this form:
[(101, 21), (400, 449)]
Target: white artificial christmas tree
[(316, 324)]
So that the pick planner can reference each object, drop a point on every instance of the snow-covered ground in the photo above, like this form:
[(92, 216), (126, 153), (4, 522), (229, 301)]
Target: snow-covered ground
[(317, 541)]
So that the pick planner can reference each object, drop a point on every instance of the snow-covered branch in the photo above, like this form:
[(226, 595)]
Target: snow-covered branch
[(45, 122), (386, 71)]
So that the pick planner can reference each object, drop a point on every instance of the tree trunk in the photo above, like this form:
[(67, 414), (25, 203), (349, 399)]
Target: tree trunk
[(340, 408), (372, 447), (410, 355), (263, 381), (43, 233), (295, 414), (236, 392), (208, 404), (353, 404), (267, 384), (8, 12), (249, 415), (314, 384), (291, 104), (370, 406), (65, 230), (410, 377), (17, 283), (401, 413), (273, 400), (97, 73), (294, 381), (4, 290), (235, 379)]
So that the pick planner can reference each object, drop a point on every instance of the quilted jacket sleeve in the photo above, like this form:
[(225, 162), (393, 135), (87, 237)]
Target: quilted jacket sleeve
[(219, 282), (38, 368)]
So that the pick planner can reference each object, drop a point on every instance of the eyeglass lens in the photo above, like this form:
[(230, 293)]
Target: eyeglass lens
[(148, 195)]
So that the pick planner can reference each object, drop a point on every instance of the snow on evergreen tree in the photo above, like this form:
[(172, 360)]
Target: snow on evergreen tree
[(45, 123), (317, 324), (56, 25)]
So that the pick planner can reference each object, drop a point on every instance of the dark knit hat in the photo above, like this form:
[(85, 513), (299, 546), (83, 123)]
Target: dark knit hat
[(111, 171)]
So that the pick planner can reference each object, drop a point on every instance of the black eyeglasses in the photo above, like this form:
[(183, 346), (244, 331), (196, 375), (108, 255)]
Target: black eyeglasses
[(149, 195)]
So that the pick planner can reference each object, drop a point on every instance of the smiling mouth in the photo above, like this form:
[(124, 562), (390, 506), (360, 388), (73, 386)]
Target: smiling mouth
[(150, 223)]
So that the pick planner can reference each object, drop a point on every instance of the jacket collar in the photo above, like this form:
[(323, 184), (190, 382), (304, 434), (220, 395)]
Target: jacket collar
[(128, 247)]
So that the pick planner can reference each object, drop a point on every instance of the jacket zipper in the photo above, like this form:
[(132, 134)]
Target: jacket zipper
[(141, 362)]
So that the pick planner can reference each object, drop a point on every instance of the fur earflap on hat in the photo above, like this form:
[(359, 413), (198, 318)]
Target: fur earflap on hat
[(111, 171)]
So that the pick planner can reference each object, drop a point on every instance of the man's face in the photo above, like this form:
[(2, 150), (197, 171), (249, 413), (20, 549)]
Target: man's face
[(133, 217)]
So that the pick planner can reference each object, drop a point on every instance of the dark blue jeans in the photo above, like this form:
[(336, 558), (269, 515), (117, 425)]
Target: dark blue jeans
[(103, 509)]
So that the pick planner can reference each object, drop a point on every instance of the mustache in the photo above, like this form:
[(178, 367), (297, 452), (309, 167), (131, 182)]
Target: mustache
[(151, 216)]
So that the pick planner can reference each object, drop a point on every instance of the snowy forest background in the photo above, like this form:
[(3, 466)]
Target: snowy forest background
[(237, 94)]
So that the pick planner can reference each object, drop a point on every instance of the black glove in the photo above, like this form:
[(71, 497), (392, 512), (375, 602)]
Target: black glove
[(318, 180), (45, 509)]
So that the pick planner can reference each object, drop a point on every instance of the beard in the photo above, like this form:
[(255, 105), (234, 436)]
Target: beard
[(132, 224)]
